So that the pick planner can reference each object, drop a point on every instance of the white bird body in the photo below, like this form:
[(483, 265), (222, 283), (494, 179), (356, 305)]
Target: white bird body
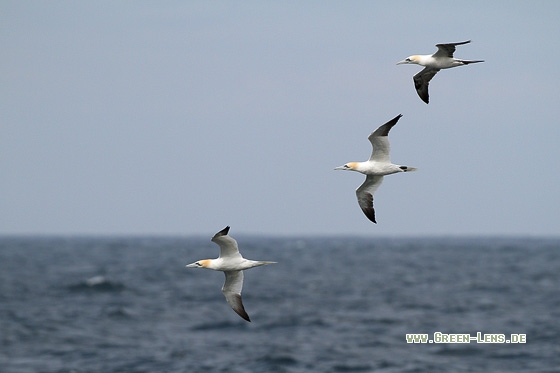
[(434, 62), (442, 59), (375, 168), (232, 264), (378, 165)]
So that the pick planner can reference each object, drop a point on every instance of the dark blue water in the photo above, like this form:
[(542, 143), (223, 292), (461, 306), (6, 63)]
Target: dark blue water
[(330, 305)]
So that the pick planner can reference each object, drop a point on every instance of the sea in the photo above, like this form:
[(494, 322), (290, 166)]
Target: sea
[(330, 304)]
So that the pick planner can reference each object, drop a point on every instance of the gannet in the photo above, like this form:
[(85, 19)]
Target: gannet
[(442, 59), (232, 264), (376, 167)]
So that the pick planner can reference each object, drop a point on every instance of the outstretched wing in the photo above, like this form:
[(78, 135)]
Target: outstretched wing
[(447, 50), (365, 195), (422, 80), (232, 291), (380, 141), (228, 246)]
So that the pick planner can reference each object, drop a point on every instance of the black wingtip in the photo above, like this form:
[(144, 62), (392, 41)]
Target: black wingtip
[(385, 128), (243, 314), (221, 233), (370, 214), (425, 99), (394, 121), (239, 309)]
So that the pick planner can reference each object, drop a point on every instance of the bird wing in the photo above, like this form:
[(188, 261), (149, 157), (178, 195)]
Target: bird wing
[(232, 291), (422, 80), (380, 141), (228, 246), (365, 195), (447, 50)]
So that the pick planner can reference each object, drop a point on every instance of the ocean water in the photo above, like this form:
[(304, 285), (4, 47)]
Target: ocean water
[(339, 304)]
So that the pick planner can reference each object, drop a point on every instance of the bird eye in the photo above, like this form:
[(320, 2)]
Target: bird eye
[(408, 59), (346, 166)]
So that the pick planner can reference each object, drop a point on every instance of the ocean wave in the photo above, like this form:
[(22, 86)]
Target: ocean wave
[(97, 283)]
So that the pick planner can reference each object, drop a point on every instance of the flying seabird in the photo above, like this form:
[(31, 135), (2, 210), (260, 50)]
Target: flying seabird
[(442, 59), (232, 264), (378, 165)]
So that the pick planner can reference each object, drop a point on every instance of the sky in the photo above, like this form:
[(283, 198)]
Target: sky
[(182, 117)]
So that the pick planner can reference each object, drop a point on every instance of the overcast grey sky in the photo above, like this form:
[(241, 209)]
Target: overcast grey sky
[(181, 117)]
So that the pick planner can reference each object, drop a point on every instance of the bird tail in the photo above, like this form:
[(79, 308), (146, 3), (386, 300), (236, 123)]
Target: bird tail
[(257, 263), (466, 62)]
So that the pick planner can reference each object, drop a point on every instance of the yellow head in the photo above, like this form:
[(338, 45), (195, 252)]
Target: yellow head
[(350, 166), (205, 263), (412, 59)]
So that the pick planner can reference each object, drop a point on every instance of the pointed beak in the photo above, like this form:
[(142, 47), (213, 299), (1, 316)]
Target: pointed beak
[(192, 265), (402, 62), (340, 168)]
